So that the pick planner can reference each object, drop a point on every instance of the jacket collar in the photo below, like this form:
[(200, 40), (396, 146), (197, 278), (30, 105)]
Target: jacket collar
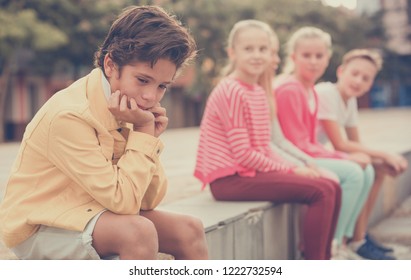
[(98, 102)]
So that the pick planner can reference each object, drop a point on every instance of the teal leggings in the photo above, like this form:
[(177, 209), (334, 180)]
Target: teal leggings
[(355, 184)]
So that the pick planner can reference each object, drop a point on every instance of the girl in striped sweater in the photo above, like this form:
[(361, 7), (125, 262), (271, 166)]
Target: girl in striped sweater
[(234, 154)]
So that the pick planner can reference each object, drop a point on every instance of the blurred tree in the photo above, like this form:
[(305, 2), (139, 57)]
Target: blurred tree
[(50, 33), (36, 36), (346, 28), (211, 20), (84, 22), (21, 29)]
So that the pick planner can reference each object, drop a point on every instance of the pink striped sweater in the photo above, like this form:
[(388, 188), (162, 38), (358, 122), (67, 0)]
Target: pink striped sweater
[(235, 134)]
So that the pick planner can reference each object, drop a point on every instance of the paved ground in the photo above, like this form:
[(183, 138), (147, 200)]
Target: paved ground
[(383, 129)]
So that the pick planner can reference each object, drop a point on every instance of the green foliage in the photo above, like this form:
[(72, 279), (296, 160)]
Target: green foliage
[(71, 30), (55, 30), (211, 21), (24, 29), (85, 23)]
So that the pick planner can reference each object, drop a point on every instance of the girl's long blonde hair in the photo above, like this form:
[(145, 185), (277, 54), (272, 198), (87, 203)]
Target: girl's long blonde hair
[(265, 79)]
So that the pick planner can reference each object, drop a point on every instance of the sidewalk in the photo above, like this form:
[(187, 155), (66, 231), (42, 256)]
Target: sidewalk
[(382, 129)]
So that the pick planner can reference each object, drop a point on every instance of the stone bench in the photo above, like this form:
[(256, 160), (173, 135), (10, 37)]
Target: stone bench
[(243, 230), (264, 230)]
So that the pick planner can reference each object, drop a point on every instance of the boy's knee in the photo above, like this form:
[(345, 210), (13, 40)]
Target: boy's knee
[(191, 233), (192, 227), (141, 228), (141, 234)]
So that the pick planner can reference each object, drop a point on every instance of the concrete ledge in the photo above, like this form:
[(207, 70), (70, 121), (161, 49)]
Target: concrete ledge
[(243, 230), (214, 213), (264, 230)]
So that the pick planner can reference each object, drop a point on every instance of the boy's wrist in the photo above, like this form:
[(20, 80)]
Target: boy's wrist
[(148, 129), (145, 143)]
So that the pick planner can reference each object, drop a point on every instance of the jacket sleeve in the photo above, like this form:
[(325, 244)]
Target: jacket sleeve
[(291, 108), (75, 149), (156, 190)]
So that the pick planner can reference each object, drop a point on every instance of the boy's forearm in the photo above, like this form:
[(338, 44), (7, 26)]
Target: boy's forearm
[(351, 146)]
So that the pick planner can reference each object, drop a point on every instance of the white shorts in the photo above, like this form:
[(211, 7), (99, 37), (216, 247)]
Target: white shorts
[(50, 243)]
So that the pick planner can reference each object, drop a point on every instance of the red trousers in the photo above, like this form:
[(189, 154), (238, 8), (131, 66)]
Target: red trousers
[(322, 197)]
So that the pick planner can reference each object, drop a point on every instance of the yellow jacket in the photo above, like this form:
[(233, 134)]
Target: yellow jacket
[(75, 160)]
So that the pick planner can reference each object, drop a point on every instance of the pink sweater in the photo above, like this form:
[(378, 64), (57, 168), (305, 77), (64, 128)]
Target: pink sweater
[(235, 133), (297, 122)]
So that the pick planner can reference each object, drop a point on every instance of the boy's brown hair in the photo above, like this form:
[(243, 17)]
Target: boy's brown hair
[(146, 34), (368, 54)]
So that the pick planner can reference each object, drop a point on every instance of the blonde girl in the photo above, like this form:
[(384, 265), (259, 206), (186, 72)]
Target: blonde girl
[(234, 154), (308, 54)]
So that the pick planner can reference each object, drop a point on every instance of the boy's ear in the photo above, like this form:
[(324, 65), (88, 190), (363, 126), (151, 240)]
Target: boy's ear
[(109, 66)]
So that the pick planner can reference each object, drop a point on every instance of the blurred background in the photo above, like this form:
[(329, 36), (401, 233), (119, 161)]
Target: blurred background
[(46, 45)]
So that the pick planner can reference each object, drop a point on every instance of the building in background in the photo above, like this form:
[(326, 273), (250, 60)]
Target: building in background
[(29, 92), (368, 7), (394, 89)]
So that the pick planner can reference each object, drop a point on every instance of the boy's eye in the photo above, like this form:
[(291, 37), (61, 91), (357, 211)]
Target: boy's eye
[(141, 80), (164, 87), (365, 79)]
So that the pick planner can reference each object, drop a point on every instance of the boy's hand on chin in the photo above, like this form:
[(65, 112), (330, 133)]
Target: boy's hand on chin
[(161, 119), (127, 110)]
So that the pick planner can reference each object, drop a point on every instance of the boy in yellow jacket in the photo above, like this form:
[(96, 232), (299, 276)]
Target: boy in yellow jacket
[(88, 174)]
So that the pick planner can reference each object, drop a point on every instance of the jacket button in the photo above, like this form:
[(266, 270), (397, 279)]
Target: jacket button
[(89, 210)]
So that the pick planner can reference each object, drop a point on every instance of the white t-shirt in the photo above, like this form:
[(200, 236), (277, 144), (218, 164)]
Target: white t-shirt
[(331, 106)]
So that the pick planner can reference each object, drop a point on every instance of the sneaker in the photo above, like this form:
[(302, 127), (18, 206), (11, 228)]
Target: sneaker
[(343, 252), (367, 251), (351, 254), (378, 245), (334, 248)]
